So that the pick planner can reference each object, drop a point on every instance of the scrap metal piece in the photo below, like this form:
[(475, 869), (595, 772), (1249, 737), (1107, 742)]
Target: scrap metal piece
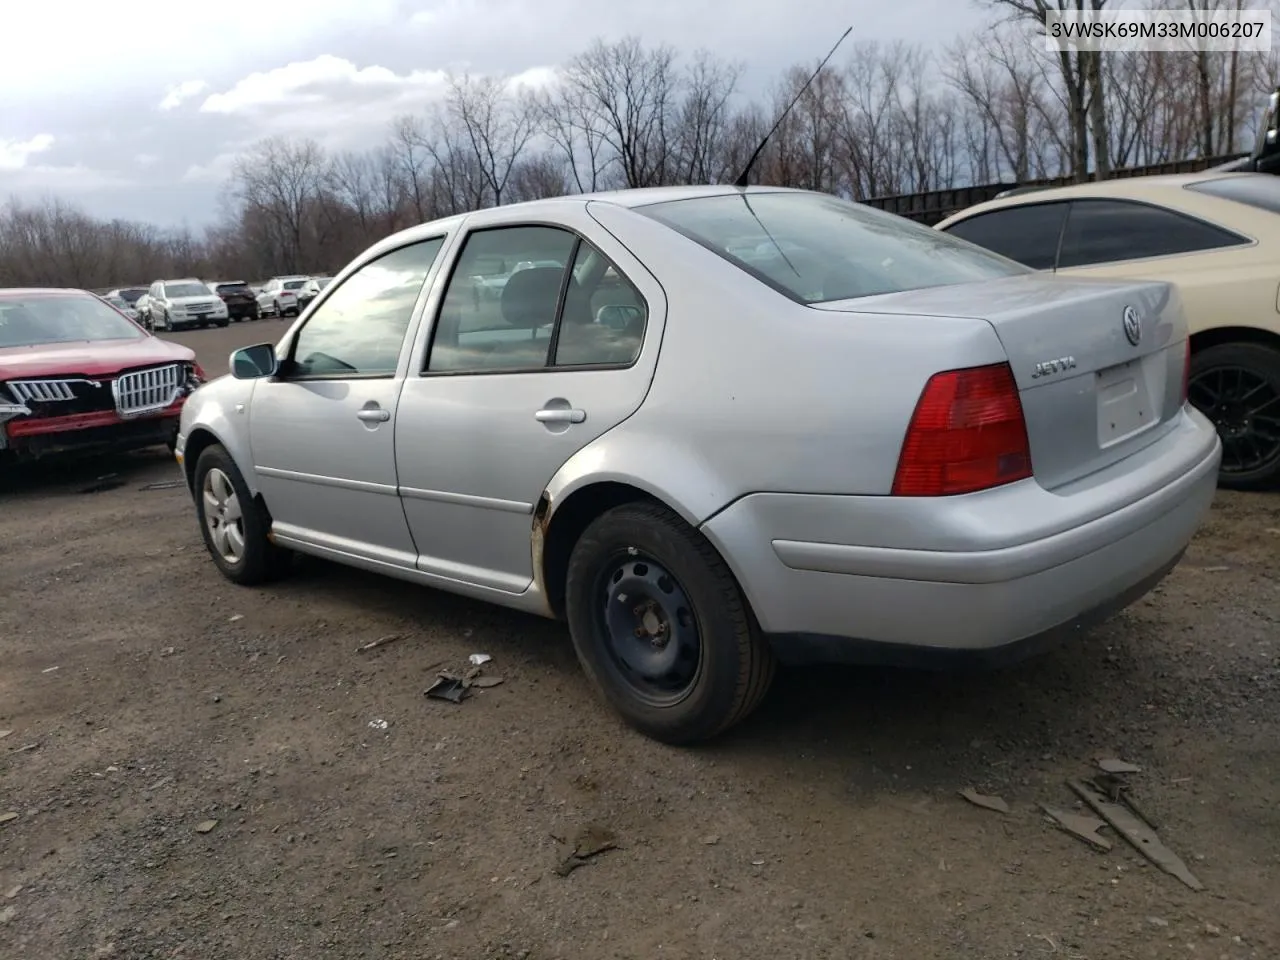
[(981, 800), (1113, 765), (380, 642), (1116, 789), (1138, 833), (447, 688), (1078, 825)]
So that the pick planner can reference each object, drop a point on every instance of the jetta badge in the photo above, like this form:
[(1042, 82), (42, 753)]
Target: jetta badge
[(1132, 326)]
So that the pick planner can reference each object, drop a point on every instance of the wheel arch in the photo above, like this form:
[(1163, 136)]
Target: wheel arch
[(1216, 336)]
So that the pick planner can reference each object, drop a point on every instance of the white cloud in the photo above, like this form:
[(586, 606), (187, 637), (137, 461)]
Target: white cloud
[(146, 159), (14, 154), (311, 83), (181, 93), (216, 170)]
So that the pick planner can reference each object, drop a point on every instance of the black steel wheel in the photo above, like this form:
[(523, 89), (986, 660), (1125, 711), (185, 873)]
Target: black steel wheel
[(1237, 386), (661, 626)]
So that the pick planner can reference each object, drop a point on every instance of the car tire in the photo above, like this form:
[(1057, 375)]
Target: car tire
[(692, 599), (254, 559), (222, 324), (275, 308), (1230, 383)]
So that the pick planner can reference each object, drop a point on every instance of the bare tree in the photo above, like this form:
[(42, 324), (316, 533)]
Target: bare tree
[(282, 178), (629, 93), (497, 123)]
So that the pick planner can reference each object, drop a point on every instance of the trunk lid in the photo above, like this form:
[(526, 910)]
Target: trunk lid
[(1095, 385)]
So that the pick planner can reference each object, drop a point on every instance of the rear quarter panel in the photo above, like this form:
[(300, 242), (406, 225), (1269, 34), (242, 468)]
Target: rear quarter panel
[(754, 392)]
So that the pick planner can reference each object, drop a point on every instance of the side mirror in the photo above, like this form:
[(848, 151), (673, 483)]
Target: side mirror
[(617, 315), (253, 363)]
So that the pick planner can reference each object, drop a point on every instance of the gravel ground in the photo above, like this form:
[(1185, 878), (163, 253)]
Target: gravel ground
[(143, 699)]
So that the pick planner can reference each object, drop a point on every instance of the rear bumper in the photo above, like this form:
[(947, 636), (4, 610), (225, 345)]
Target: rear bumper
[(852, 579)]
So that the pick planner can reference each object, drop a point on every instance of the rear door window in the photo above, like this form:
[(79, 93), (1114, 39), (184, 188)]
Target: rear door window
[(1029, 233), (1107, 231), (1260, 190)]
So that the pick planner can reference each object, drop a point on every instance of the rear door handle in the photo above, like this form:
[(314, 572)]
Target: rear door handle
[(374, 415), (560, 416)]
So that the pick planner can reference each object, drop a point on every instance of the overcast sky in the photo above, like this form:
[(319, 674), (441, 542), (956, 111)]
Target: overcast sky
[(135, 108)]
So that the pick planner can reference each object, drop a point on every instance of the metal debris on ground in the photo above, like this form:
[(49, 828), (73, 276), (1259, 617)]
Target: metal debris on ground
[(109, 481), (592, 840), (380, 642), (162, 485), (1078, 825), (234, 617), (448, 688), (27, 746), (982, 800), (5, 733), (8, 817), (48, 669), (1113, 765), (479, 659), (1117, 789), (1138, 833), (378, 724), (205, 826), (454, 688)]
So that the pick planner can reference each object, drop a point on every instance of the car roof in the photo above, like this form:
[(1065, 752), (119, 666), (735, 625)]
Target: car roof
[(629, 198), (1153, 188)]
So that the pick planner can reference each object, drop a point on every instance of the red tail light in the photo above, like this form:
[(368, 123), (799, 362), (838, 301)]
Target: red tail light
[(967, 434), (1186, 372)]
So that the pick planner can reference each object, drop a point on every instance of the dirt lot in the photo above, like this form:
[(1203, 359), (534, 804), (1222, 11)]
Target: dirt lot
[(146, 696)]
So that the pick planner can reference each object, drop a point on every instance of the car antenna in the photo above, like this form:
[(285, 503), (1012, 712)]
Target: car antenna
[(742, 177)]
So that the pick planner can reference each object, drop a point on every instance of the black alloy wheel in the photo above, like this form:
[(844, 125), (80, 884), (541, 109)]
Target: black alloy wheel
[(1237, 386)]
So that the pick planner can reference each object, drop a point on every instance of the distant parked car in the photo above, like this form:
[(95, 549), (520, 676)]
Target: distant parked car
[(310, 290), (1216, 237), (129, 294), (868, 446), (279, 298), (241, 301), (123, 305), (75, 375), (178, 304)]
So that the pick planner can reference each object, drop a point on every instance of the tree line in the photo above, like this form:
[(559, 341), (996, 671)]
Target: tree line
[(889, 119)]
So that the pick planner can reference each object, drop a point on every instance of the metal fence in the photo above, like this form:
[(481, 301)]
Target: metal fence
[(934, 206)]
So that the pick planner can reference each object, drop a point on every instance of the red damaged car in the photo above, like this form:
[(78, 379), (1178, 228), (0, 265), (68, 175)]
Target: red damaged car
[(78, 375)]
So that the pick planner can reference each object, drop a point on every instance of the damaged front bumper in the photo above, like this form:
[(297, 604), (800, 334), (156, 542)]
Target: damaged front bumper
[(10, 411), (31, 437)]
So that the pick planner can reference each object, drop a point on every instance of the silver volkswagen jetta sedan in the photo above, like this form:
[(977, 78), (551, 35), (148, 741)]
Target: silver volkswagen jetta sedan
[(713, 427)]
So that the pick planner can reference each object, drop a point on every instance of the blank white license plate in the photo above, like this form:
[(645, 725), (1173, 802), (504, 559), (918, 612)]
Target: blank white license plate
[(1125, 406)]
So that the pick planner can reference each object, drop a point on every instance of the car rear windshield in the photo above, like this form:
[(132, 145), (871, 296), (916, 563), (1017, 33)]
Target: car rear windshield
[(1261, 190), (293, 284), (816, 248), (27, 321), (186, 290), (235, 287)]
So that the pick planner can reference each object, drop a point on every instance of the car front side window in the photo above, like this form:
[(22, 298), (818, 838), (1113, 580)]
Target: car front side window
[(359, 330)]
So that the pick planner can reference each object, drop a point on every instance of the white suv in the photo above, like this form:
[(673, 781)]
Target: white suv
[(174, 304), (279, 297)]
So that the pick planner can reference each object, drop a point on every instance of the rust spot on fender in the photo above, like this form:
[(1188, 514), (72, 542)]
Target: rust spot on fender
[(538, 538)]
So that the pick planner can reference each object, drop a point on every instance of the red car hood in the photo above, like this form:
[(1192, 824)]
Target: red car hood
[(98, 358)]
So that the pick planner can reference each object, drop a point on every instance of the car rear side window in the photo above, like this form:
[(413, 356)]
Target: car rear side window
[(1107, 231), (1026, 233), (816, 248), (1260, 190), (359, 330), (526, 298)]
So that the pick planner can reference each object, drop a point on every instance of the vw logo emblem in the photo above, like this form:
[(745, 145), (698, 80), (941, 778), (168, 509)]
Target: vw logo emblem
[(1132, 326)]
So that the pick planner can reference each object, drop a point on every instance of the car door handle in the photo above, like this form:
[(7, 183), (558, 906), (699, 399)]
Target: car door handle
[(560, 416), (374, 415)]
